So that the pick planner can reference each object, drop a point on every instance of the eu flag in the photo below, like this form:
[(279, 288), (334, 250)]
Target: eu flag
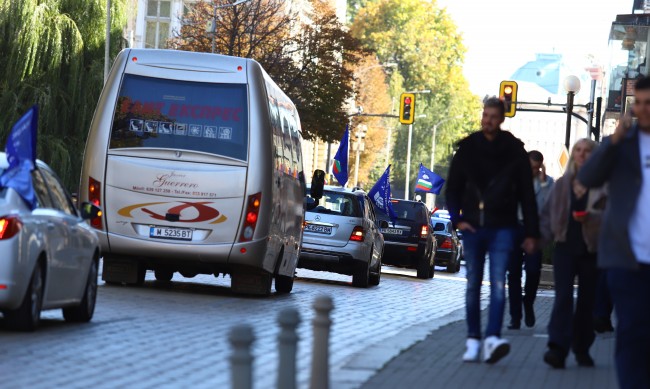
[(380, 195), (428, 181), (21, 155), (340, 165)]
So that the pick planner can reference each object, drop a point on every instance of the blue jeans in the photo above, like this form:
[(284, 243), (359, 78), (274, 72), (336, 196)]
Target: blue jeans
[(499, 244), (630, 290)]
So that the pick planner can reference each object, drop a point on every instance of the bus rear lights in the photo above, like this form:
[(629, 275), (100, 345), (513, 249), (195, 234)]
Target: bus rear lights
[(242, 250), (94, 196), (252, 214), (3, 286), (239, 68), (134, 59), (9, 227)]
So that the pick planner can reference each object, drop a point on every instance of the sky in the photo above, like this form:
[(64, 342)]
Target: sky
[(503, 35)]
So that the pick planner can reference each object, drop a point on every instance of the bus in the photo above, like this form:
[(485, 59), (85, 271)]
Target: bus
[(196, 161)]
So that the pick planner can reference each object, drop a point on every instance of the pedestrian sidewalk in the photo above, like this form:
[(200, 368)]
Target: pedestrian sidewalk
[(436, 361)]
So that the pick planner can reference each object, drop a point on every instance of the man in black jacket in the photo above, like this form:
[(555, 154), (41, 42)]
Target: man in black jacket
[(490, 176)]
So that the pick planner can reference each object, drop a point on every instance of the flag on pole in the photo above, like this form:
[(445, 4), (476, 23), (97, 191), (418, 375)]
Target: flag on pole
[(380, 195), (428, 181), (340, 164), (21, 155)]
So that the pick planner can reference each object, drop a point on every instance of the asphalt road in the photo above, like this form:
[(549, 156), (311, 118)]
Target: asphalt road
[(175, 334)]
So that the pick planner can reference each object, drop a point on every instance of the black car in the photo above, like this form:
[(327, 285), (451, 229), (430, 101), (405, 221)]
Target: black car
[(409, 242), (449, 246)]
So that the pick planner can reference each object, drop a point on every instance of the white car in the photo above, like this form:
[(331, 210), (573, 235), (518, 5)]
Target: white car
[(49, 254)]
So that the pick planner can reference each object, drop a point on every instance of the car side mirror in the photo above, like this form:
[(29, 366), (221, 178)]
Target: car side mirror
[(317, 184), (383, 224), (90, 211)]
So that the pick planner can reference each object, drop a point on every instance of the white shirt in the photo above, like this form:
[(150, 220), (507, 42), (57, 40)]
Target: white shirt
[(640, 221)]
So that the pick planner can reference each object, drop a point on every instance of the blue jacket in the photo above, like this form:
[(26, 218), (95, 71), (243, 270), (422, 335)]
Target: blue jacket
[(620, 166)]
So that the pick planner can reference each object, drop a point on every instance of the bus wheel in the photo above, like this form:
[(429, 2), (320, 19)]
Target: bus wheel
[(283, 284)]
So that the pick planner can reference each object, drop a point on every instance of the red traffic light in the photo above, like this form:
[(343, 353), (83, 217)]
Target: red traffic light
[(407, 100)]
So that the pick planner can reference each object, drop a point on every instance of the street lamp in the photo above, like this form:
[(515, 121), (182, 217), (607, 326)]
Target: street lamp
[(572, 86), (213, 28)]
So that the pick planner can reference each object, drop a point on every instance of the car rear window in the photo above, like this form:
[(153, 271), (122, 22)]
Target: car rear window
[(181, 115), (410, 211), (439, 227), (336, 203)]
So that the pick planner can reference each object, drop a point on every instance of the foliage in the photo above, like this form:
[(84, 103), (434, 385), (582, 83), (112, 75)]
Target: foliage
[(52, 54), (309, 55), (423, 40)]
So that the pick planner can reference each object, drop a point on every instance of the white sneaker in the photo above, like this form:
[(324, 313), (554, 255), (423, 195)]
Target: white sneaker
[(494, 349), (473, 351)]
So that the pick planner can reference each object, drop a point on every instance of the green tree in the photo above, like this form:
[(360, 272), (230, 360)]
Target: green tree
[(52, 54), (423, 40)]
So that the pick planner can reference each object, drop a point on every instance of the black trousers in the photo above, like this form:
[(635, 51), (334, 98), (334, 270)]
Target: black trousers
[(569, 329), (532, 263)]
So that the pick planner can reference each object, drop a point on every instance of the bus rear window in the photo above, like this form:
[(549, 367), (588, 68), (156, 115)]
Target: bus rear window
[(181, 115)]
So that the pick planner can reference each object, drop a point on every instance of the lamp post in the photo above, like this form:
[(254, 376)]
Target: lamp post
[(213, 28), (572, 86)]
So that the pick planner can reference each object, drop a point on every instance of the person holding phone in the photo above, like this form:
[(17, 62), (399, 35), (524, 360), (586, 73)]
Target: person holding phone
[(571, 218), (623, 161)]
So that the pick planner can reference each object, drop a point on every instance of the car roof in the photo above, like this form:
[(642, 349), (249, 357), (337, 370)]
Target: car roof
[(4, 163), (440, 219), (341, 189)]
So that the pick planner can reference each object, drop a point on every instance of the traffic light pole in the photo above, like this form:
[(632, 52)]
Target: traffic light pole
[(408, 163)]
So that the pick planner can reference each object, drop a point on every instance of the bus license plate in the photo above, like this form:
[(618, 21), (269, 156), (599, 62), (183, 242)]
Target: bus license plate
[(392, 231), (318, 229), (170, 233)]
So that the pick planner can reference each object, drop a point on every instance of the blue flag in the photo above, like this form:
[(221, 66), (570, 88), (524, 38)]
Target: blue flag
[(340, 165), (380, 195), (428, 181), (21, 155)]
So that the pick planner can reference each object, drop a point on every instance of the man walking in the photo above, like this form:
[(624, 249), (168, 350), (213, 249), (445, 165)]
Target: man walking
[(623, 161), (532, 263), (490, 176)]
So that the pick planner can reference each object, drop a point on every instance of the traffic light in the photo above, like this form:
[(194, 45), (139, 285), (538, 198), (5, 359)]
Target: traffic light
[(407, 108), (508, 94)]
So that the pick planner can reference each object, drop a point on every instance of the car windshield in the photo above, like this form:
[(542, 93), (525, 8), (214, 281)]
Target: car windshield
[(338, 203), (181, 115)]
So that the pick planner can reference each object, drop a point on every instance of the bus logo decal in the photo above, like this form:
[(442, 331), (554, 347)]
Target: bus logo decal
[(204, 212)]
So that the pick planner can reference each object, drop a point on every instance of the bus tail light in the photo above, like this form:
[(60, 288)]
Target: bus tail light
[(94, 196), (252, 214), (357, 234), (9, 227)]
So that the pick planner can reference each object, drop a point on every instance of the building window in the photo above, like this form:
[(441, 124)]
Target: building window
[(188, 7), (158, 23)]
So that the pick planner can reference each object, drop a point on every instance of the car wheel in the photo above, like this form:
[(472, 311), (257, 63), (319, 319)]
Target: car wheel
[(451, 267), (163, 275), (28, 315), (84, 311), (283, 284), (424, 267), (361, 276)]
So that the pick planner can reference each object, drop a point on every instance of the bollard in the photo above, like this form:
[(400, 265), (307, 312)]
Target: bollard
[(320, 378), (241, 360), (288, 340)]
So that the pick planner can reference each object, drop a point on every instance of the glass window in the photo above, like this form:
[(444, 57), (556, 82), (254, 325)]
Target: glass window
[(336, 203), (158, 23), (181, 115), (439, 227), (42, 194), (60, 199)]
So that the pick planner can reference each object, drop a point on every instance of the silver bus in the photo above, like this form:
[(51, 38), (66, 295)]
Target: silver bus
[(196, 161)]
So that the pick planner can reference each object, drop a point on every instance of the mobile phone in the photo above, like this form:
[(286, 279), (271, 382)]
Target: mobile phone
[(580, 213)]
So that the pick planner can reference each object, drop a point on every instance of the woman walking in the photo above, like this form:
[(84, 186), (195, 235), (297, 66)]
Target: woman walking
[(571, 217)]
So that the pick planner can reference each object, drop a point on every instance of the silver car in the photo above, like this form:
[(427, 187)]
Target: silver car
[(49, 254), (342, 235)]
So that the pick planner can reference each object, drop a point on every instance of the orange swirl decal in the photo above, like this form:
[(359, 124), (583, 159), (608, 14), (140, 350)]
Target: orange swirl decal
[(205, 212)]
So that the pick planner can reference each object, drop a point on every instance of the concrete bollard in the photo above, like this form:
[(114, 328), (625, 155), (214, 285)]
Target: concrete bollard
[(320, 378), (241, 360), (288, 342)]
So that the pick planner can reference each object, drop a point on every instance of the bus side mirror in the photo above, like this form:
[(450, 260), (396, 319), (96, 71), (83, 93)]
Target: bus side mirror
[(317, 184)]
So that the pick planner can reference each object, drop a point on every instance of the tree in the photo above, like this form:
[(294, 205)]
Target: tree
[(52, 54), (423, 40), (310, 56)]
